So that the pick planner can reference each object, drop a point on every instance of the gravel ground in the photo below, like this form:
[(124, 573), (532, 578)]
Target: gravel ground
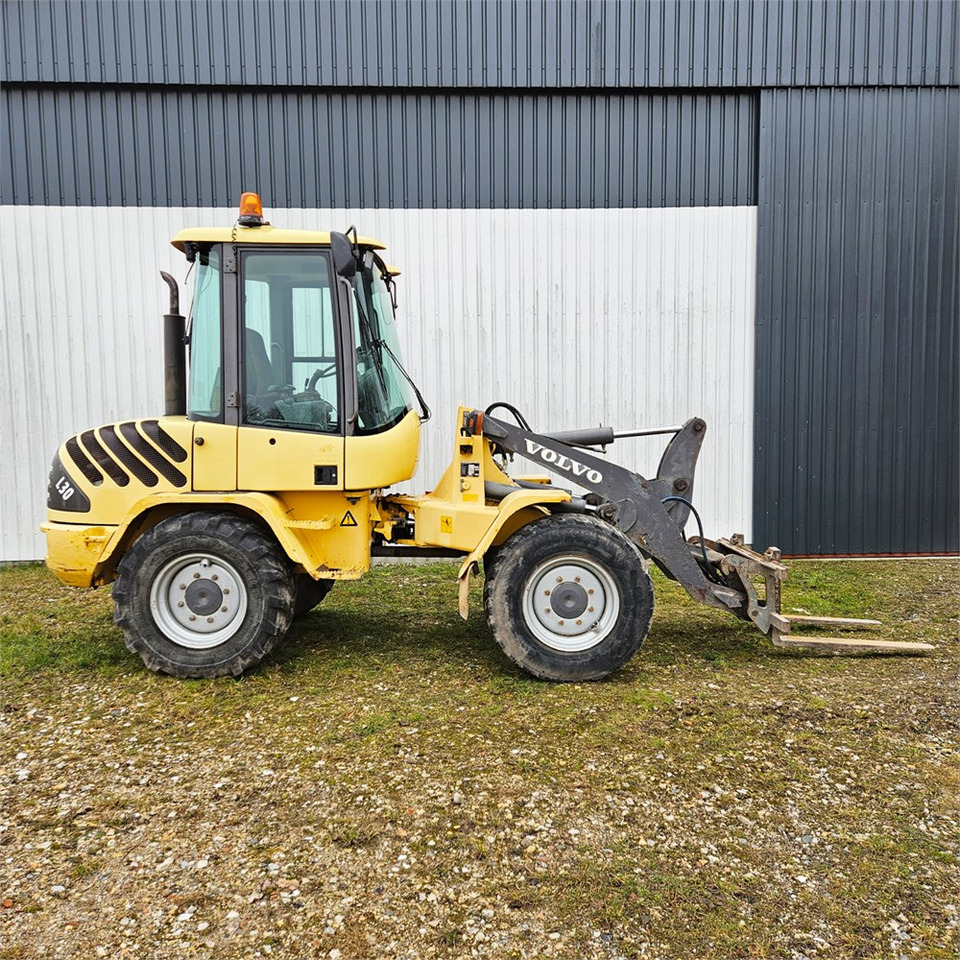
[(400, 791)]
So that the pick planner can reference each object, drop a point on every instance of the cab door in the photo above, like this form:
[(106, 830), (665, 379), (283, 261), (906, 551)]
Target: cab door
[(212, 377), (291, 432)]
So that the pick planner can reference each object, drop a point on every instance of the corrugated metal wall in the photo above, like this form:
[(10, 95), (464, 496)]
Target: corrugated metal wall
[(484, 108), (500, 43), (858, 370), (538, 307), (166, 146)]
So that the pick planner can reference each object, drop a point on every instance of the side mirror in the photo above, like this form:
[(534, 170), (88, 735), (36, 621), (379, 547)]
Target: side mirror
[(344, 262)]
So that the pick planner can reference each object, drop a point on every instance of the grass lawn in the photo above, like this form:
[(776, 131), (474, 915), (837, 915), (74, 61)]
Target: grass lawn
[(388, 785)]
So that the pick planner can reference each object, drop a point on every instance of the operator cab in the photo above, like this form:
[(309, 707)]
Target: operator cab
[(293, 333)]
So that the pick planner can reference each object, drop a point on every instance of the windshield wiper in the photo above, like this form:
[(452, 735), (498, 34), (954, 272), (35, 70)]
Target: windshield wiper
[(425, 412)]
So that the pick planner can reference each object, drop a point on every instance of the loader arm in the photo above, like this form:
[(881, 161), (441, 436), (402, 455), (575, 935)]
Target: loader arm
[(631, 502), (721, 573)]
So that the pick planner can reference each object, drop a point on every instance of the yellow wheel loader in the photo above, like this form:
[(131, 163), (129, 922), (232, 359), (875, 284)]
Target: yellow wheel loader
[(289, 413)]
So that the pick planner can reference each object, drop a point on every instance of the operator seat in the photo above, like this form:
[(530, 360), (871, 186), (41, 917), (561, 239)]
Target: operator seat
[(258, 371)]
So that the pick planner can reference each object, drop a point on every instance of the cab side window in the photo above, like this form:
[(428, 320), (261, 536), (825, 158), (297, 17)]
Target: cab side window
[(206, 394), (289, 342)]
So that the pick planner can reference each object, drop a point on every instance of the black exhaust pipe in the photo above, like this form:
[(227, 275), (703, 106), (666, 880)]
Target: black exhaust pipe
[(174, 354)]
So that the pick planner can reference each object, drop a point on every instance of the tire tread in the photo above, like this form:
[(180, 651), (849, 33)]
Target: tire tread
[(502, 586), (266, 557)]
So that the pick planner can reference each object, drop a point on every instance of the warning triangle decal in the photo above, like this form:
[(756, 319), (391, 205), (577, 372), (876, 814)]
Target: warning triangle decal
[(349, 520)]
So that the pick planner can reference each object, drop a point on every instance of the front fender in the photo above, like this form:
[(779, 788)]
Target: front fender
[(512, 508)]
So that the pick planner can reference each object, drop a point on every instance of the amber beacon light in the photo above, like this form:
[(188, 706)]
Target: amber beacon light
[(251, 211)]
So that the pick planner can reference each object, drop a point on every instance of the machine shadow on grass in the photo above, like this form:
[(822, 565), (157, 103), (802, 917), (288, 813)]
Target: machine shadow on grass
[(406, 619), (327, 635)]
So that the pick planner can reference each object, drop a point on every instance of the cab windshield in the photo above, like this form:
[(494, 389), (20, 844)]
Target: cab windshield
[(383, 393)]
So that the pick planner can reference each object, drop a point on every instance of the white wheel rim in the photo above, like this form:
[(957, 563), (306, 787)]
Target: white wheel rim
[(570, 603), (198, 601)]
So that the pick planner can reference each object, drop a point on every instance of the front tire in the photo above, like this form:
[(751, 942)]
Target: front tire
[(203, 595), (569, 598)]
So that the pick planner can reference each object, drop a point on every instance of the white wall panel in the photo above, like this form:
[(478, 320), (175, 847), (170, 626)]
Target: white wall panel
[(578, 317)]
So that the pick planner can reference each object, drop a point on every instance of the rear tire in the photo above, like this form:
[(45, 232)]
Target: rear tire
[(569, 598), (310, 593), (203, 595)]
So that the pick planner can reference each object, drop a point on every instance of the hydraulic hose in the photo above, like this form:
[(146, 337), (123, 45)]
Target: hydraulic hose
[(708, 569)]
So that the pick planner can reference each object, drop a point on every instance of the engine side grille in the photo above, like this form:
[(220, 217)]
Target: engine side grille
[(150, 453), (163, 440), (132, 462), (109, 466), (83, 462)]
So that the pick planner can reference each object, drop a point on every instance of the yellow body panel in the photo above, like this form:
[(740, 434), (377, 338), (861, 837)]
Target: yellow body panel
[(214, 456), (74, 549), (323, 530), (270, 459), (110, 501), (334, 531), (264, 234), (382, 459), (456, 515)]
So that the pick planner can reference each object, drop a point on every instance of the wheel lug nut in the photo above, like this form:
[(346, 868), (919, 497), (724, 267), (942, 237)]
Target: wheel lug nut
[(546, 610), (589, 591), (590, 609), (196, 576), (209, 619), (183, 586), (180, 604), (579, 622), (227, 590), (576, 579), (214, 577), (559, 579), (560, 622), (546, 593), (192, 617), (223, 609)]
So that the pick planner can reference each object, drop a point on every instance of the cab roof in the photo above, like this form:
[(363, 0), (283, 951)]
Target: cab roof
[(265, 235)]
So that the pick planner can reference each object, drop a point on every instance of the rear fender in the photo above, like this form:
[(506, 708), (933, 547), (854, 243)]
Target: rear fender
[(146, 513)]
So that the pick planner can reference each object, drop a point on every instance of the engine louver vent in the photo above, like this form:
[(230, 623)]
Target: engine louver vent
[(109, 466), (83, 462), (154, 457), (163, 440), (123, 453)]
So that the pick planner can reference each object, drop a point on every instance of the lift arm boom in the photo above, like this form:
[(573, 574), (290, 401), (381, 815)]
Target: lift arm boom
[(639, 507)]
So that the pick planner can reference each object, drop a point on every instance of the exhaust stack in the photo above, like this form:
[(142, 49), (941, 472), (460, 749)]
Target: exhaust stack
[(174, 354)]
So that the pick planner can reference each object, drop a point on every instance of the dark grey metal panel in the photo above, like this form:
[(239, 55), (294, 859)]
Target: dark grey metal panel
[(858, 322), (497, 43), (117, 146)]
